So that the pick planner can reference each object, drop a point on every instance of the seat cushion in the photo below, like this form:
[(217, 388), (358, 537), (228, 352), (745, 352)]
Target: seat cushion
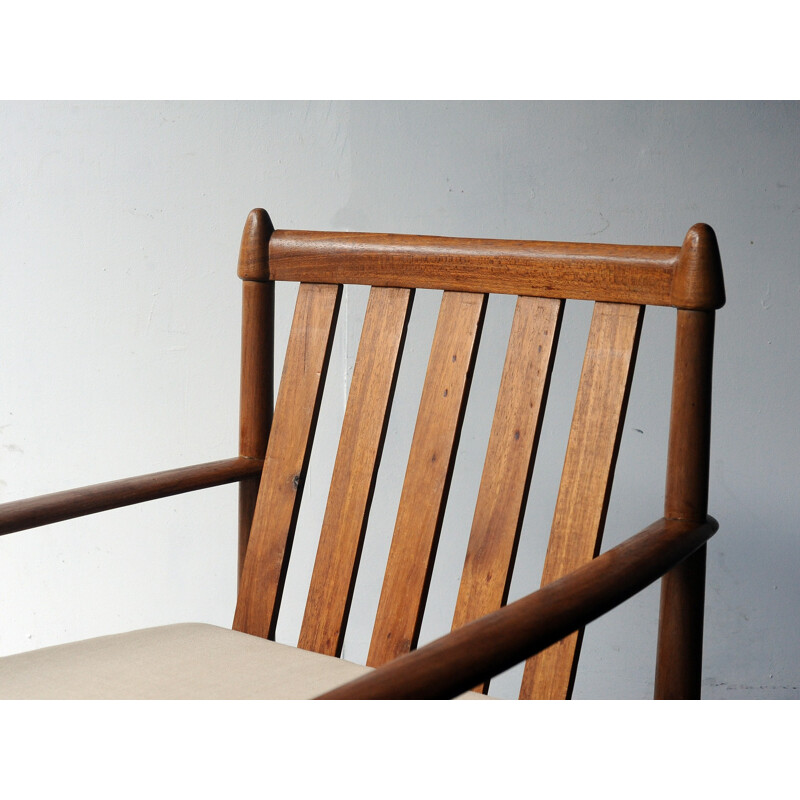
[(175, 662)]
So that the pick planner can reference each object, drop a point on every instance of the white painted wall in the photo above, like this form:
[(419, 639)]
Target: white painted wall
[(119, 309)]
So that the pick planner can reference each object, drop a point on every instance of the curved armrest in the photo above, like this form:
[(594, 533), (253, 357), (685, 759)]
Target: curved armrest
[(473, 654), (35, 511)]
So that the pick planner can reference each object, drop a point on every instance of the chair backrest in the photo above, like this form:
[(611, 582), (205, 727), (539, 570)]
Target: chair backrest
[(621, 280)]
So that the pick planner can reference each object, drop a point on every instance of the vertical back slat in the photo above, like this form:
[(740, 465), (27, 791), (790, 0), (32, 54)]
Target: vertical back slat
[(355, 469), (294, 421), (428, 474), (586, 479), (509, 459)]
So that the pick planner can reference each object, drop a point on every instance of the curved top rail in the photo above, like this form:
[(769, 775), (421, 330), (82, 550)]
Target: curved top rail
[(688, 277), (613, 273)]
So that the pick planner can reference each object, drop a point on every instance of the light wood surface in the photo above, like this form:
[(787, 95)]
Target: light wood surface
[(355, 469), (427, 480), (291, 437), (607, 272), (503, 492), (586, 479)]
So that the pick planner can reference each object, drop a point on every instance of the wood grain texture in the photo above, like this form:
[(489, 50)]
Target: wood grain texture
[(257, 384), (679, 653), (492, 644), (253, 254), (690, 417), (577, 584), (680, 630), (255, 395), (606, 272), (697, 282), (509, 459), (355, 470), (586, 478), (428, 474), (43, 510), (286, 461)]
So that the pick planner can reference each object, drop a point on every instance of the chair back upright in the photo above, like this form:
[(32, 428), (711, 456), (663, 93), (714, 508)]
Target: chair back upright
[(620, 279)]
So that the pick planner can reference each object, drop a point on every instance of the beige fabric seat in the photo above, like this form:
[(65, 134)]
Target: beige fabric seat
[(188, 661)]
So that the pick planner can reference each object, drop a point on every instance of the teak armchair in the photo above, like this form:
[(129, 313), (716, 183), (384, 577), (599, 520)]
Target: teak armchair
[(488, 636)]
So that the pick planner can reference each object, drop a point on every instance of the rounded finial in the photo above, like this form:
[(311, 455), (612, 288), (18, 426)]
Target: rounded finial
[(697, 283), (253, 253)]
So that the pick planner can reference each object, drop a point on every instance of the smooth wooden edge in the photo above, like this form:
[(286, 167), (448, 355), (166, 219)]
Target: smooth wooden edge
[(584, 492), (679, 658), (254, 250), (687, 277), (689, 450), (403, 598), (497, 520), (256, 395), (328, 604), (642, 275), (33, 512), (680, 624), (698, 284), (476, 652), (286, 461)]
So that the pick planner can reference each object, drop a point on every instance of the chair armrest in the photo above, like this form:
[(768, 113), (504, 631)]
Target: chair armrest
[(473, 654), (35, 511)]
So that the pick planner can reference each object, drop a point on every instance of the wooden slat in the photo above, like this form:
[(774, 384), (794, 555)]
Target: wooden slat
[(286, 461), (428, 474), (606, 272), (354, 472), (509, 459), (586, 479)]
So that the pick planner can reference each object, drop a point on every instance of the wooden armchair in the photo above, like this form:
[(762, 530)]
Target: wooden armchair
[(488, 636)]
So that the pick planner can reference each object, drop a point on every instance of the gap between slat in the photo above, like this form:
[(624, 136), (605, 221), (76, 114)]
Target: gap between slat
[(509, 459), (355, 469), (587, 477), (428, 474), (286, 461)]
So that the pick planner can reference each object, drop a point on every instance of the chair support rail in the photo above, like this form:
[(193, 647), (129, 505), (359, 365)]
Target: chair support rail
[(35, 511), (471, 655)]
